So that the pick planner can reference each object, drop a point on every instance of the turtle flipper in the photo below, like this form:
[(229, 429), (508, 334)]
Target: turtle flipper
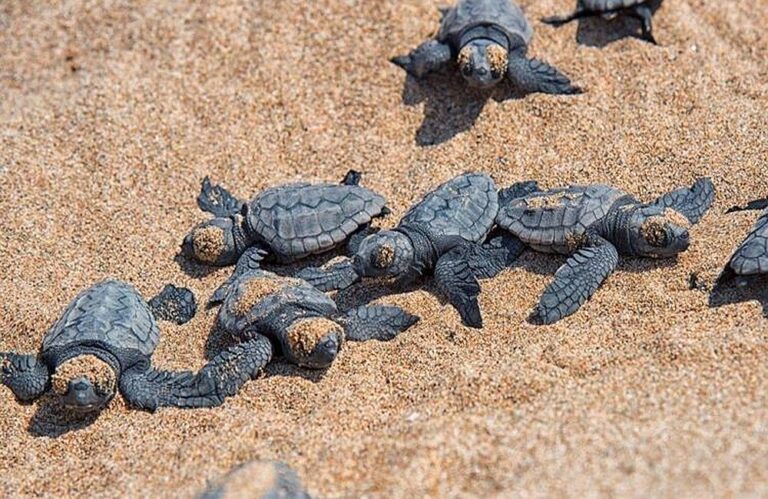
[(217, 200), (428, 57), (353, 177), (751, 257), (377, 322), (517, 190), (577, 280), (497, 253), (250, 260), (693, 202), (558, 21), (645, 15), (755, 204), (222, 377), (25, 375), (334, 277), (533, 75), (174, 304), (454, 278)]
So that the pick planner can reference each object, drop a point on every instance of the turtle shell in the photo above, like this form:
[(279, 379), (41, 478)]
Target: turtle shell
[(110, 315), (556, 220), (467, 14), (609, 5), (257, 296), (752, 256), (464, 207), (299, 220)]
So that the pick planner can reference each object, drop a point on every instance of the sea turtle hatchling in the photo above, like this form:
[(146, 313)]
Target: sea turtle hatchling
[(445, 235), (609, 9), (301, 322), (258, 479), (488, 39), (751, 257), (103, 343), (289, 222), (594, 224)]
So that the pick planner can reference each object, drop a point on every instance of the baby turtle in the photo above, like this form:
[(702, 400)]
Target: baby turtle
[(258, 480), (104, 343), (751, 257), (300, 322), (488, 39), (594, 224), (289, 222), (443, 235), (609, 9)]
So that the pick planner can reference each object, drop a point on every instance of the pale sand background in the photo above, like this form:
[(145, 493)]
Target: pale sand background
[(111, 115)]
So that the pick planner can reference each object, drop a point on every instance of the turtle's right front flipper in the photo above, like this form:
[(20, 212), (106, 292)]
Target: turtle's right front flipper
[(249, 261), (577, 280), (533, 75), (428, 57), (334, 277), (222, 377), (217, 200), (456, 280), (377, 322), (25, 375)]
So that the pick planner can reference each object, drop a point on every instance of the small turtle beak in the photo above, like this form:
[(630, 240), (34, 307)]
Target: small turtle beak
[(81, 396)]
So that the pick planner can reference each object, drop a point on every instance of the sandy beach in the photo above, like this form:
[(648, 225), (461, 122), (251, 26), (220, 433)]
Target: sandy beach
[(111, 113)]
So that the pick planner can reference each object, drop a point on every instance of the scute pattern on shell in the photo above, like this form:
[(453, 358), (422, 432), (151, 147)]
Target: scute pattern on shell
[(464, 206), (301, 219), (752, 256), (556, 218), (608, 5), (467, 14), (111, 312)]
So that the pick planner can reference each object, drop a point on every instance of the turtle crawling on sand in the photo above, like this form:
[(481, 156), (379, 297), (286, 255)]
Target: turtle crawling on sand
[(258, 480), (751, 257), (489, 40), (104, 343), (444, 235), (594, 224), (288, 222), (299, 321), (608, 9)]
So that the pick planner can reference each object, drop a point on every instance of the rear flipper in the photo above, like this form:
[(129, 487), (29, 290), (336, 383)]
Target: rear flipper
[(217, 200), (25, 375), (576, 281), (751, 257), (353, 177), (533, 75), (250, 260), (428, 57), (496, 254), (645, 15), (377, 323), (756, 204), (517, 190), (456, 280), (333, 277), (560, 20), (174, 304), (222, 377), (692, 202)]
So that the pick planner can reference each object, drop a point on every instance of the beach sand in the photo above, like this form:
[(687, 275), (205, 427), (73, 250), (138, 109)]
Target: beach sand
[(111, 113)]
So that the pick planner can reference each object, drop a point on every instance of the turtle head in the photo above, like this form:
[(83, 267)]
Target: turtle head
[(658, 232), (313, 342), (85, 383), (385, 254), (483, 63), (213, 242)]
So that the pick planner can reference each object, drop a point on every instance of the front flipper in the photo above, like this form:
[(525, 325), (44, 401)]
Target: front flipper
[(496, 254), (250, 260), (353, 177), (693, 202), (751, 257), (217, 200), (25, 375), (222, 377), (577, 280), (455, 279), (645, 15), (377, 323), (428, 57), (174, 304), (558, 21), (334, 277), (533, 75)]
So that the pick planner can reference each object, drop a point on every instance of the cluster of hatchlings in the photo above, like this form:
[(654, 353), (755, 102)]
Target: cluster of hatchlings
[(464, 230)]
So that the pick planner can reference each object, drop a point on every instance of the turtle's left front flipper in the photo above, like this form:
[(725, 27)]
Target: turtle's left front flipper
[(377, 323), (577, 280), (25, 375), (455, 278), (533, 75), (334, 277), (222, 377), (693, 202), (249, 261), (174, 304)]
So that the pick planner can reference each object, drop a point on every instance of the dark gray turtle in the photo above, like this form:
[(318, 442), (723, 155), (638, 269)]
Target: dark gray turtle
[(443, 234), (289, 222), (594, 224), (103, 343), (301, 323), (488, 39), (258, 480), (751, 257), (608, 9)]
